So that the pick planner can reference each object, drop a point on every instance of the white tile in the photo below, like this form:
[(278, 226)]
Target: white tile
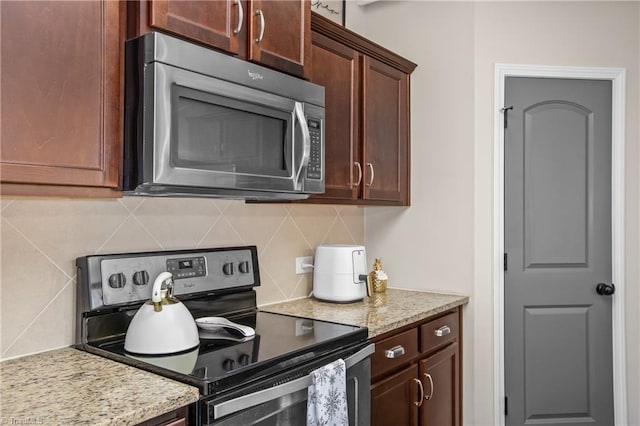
[(255, 223), (177, 223), (313, 221), (268, 291), (131, 203), (29, 282), (130, 237), (53, 328), (353, 219), (66, 229), (278, 257), (222, 234), (338, 234)]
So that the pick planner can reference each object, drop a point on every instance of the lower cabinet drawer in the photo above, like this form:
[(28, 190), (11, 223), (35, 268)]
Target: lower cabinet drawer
[(394, 351), (439, 332)]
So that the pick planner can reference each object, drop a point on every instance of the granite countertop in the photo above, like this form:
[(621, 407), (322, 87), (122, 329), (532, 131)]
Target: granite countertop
[(380, 313), (68, 386)]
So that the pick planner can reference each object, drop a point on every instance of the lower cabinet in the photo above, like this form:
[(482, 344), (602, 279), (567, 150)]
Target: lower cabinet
[(416, 376), (440, 377), (394, 399)]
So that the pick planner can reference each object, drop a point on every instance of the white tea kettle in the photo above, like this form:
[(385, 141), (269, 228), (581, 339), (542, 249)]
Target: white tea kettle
[(162, 325)]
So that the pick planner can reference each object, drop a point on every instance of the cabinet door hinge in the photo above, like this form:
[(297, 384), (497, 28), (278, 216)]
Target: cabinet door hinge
[(506, 261), (506, 406)]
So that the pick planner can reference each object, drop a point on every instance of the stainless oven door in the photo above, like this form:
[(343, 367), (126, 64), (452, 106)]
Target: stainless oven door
[(286, 404), (204, 132)]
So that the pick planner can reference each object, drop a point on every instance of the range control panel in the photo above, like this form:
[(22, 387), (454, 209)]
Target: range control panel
[(127, 278)]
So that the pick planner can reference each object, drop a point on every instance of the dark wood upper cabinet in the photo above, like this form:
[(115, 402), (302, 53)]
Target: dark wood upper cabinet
[(61, 97), (385, 133), (337, 68), (217, 23), (274, 33), (279, 34), (367, 141)]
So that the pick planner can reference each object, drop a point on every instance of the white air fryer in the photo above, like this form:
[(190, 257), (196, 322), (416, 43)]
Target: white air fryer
[(339, 273)]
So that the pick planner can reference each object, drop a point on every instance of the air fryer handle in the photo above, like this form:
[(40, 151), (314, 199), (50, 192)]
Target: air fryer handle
[(362, 278)]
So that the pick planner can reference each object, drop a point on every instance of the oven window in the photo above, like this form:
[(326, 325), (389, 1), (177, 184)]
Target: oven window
[(219, 134)]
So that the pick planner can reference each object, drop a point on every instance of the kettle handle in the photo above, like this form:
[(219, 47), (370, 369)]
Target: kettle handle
[(156, 293)]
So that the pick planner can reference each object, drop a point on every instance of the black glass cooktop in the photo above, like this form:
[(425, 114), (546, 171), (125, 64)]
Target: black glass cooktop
[(280, 342)]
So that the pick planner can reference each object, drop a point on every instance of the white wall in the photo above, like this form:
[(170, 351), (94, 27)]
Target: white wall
[(444, 240)]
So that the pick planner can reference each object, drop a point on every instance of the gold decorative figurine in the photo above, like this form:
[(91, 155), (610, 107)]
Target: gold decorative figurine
[(378, 278)]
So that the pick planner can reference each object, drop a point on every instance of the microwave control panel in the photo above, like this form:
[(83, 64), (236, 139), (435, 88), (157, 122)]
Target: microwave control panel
[(314, 168)]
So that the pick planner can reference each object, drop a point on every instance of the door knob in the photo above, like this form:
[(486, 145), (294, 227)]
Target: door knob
[(605, 289)]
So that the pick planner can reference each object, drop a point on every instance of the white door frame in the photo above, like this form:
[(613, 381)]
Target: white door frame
[(617, 77)]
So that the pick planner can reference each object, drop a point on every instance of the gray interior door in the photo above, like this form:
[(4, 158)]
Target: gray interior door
[(558, 345)]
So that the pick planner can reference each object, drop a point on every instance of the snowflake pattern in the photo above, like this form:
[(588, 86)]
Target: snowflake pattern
[(327, 397)]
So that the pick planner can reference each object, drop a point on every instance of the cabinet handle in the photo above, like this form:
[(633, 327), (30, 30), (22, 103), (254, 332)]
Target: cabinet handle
[(359, 173), (240, 17), (442, 331), (394, 352), (261, 15), (370, 166), (420, 400), (430, 379)]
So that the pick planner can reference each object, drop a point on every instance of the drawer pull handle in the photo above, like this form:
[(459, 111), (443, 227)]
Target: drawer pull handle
[(420, 400), (394, 352), (430, 379), (442, 331)]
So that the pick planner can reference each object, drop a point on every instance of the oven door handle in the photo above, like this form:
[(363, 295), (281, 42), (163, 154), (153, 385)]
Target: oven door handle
[(247, 401), (306, 145)]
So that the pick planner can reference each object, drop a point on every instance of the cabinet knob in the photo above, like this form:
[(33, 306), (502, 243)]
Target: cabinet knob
[(394, 352), (442, 331), (418, 403), (430, 379)]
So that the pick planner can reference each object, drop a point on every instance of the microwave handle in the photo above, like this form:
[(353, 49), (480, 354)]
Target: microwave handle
[(251, 400), (306, 145)]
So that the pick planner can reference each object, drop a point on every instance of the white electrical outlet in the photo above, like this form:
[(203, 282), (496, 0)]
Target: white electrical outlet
[(307, 261)]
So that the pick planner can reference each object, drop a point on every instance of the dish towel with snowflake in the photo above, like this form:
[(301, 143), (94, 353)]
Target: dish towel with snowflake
[(327, 396)]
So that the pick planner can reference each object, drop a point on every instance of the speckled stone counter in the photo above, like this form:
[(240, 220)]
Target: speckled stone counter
[(380, 313), (71, 387)]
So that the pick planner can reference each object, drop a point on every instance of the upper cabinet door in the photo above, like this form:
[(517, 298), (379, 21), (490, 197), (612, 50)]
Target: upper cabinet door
[(279, 34), (220, 23), (337, 68), (385, 108), (61, 95)]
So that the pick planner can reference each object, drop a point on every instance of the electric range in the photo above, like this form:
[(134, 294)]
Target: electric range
[(238, 377)]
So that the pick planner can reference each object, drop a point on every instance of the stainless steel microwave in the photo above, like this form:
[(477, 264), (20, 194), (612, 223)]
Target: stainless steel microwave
[(201, 123)]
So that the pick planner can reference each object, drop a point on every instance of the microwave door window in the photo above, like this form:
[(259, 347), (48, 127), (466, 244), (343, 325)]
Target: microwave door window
[(223, 136)]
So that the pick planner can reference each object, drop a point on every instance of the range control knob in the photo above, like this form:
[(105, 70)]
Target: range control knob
[(227, 268), (228, 364), (244, 359), (244, 267), (141, 278), (117, 280)]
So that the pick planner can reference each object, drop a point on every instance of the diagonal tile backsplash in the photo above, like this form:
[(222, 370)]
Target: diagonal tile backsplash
[(41, 238)]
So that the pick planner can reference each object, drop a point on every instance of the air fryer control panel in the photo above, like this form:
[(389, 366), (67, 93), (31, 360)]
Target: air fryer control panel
[(128, 278)]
